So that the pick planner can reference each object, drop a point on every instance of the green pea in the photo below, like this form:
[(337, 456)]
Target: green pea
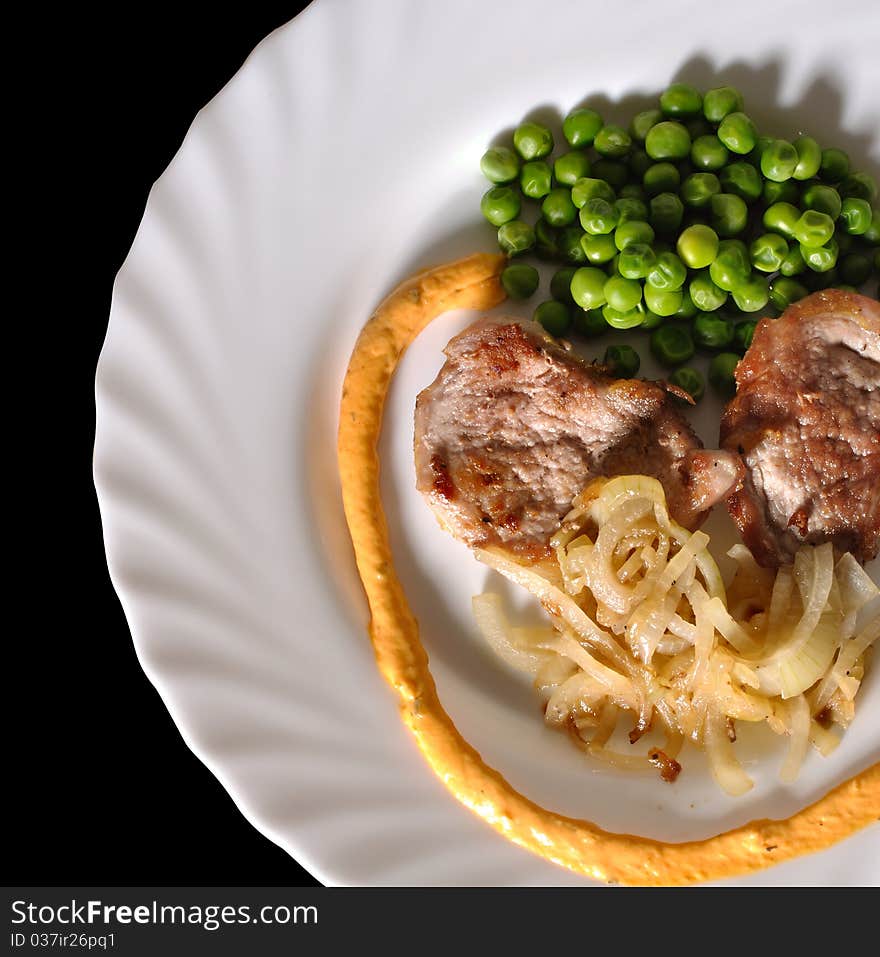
[(519, 280), (711, 331), (569, 244), (623, 294), (500, 205), (753, 294), (587, 287), (598, 249), (634, 231), (737, 132), (633, 191), (598, 217), (872, 234), (667, 211), (546, 241), (613, 172), (662, 303), (535, 178), (671, 345), (560, 284), (516, 237), (721, 102), (623, 320), (767, 252), (859, 186), (557, 208), (855, 214), (651, 321), (546, 246), (668, 141), (661, 178), (689, 379), (824, 199), (786, 192), (835, 165), (779, 161), (580, 127), (757, 152), (685, 168), (781, 218), (809, 157), (642, 123), (793, 264), (697, 246), (532, 141), (500, 165), (699, 188), (731, 266), (785, 291), (634, 210), (845, 241), (554, 316), (813, 228), (846, 287), (636, 261), (820, 258), (681, 100), (639, 163), (622, 360), (721, 373), (612, 141), (698, 127), (688, 309), (590, 324), (729, 214), (741, 179), (743, 333), (709, 153), (587, 188), (667, 274), (570, 167), (706, 295), (815, 280)]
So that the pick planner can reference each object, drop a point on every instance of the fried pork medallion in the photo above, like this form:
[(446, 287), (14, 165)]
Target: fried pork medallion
[(514, 426), (806, 420)]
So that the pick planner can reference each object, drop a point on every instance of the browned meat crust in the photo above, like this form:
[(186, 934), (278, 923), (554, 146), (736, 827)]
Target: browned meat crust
[(806, 419), (514, 426)]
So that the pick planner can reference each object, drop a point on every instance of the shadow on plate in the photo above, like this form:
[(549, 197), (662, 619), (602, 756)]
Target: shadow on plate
[(816, 111)]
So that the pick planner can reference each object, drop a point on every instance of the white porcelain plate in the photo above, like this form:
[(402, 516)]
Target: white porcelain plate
[(343, 156)]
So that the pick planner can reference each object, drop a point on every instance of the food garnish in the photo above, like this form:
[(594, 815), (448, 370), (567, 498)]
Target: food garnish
[(689, 213)]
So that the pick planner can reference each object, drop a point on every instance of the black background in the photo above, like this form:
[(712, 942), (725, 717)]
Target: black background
[(103, 788)]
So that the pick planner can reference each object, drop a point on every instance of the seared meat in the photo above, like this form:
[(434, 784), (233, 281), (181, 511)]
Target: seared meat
[(806, 419), (514, 426)]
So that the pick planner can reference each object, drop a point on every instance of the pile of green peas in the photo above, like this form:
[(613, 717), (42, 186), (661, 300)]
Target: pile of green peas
[(678, 225)]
